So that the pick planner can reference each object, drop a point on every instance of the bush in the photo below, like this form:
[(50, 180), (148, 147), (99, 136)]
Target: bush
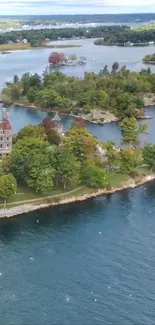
[(133, 174)]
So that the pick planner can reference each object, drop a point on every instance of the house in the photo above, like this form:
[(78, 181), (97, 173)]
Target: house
[(24, 41), (5, 133)]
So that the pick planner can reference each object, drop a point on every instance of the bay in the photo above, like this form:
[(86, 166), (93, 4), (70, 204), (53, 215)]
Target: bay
[(87, 263), (35, 60)]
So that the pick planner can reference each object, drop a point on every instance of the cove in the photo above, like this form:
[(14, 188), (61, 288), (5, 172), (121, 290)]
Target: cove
[(21, 116)]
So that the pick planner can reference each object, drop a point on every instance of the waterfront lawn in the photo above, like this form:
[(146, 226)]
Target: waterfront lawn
[(117, 178), (142, 171)]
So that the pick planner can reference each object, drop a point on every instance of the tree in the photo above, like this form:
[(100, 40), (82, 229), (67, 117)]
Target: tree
[(149, 155), (41, 173), (115, 67), (128, 160), (15, 79), (56, 58), (94, 176), (25, 82), (112, 155), (22, 154), (15, 92), (8, 187), (67, 168), (130, 130), (31, 94), (36, 131), (105, 72), (81, 143), (6, 163)]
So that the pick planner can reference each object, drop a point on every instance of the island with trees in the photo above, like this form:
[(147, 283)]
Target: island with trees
[(104, 97), (149, 59), (46, 166), (106, 35)]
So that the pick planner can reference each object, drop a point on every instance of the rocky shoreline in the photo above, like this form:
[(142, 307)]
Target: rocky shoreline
[(26, 208), (96, 116)]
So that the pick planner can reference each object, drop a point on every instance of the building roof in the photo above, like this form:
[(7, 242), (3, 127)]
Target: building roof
[(5, 125), (56, 118)]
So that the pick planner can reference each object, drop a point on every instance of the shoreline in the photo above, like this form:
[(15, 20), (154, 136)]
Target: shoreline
[(61, 113), (26, 208), (98, 122), (10, 49)]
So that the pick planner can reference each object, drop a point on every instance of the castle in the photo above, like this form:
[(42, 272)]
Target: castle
[(5, 133)]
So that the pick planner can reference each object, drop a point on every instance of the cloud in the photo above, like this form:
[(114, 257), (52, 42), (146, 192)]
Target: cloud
[(23, 7)]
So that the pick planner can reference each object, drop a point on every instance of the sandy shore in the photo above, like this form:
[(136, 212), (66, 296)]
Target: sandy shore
[(23, 209)]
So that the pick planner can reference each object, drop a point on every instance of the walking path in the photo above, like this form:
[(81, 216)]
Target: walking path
[(46, 197)]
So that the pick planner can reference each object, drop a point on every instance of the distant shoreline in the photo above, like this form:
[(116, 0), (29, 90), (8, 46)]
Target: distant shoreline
[(22, 47)]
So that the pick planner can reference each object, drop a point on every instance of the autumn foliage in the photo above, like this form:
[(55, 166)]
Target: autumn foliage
[(56, 58)]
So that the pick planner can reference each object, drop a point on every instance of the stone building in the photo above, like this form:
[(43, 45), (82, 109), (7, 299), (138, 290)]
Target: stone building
[(5, 133), (56, 124)]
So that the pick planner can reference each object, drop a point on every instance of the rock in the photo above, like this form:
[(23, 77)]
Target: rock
[(149, 100), (98, 116)]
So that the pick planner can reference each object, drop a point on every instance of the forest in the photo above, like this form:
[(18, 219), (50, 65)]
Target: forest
[(107, 35), (125, 35), (118, 91), (34, 36)]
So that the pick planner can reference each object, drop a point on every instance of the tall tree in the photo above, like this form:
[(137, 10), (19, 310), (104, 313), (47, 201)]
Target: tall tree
[(67, 167), (94, 176), (8, 187), (130, 130), (36, 131), (149, 155), (128, 160), (81, 143)]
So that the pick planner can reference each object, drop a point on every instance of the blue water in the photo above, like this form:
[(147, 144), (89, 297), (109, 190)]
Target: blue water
[(87, 263)]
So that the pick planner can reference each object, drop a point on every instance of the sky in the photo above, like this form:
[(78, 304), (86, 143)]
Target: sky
[(51, 7)]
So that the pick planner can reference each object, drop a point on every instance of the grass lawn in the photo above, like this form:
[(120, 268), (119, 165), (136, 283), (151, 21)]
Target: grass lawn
[(143, 170), (27, 194), (116, 178)]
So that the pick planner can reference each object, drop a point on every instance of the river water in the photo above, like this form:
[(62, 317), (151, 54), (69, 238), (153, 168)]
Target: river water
[(87, 263), (32, 61)]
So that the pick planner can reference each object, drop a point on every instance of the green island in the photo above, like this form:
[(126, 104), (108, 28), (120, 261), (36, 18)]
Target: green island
[(149, 59), (49, 167), (127, 37), (106, 35), (105, 97)]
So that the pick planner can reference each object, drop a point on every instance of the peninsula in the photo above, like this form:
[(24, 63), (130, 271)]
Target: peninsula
[(49, 167)]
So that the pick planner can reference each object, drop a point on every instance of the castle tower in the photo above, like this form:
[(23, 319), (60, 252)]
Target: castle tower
[(5, 133), (56, 124)]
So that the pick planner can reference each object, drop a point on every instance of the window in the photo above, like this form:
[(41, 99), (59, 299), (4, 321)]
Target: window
[(7, 146), (1, 138), (1, 146), (7, 139)]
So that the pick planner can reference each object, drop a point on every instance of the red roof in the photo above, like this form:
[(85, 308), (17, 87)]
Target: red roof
[(5, 125)]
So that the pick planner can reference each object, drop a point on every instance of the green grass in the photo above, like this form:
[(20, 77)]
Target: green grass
[(116, 178), (142, 170), (27, 194)]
